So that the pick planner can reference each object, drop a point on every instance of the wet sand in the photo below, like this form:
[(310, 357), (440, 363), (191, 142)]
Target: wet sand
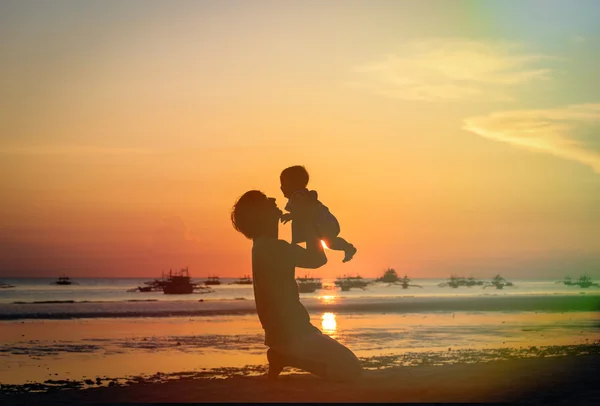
[(571, 379)]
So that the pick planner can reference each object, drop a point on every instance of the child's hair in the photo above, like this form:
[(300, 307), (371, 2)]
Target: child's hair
[(296, 176)]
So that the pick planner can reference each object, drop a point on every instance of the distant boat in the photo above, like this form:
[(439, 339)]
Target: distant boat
[(348, 282), (174, 283), (308, 284), (499, 282), (584, 281), (246, 280), (5, 285), (457, 281), (390, 276), (63, 280), (212, 280)]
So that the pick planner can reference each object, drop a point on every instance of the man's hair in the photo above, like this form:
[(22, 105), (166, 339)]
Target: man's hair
[(296, 175), (246, 213)]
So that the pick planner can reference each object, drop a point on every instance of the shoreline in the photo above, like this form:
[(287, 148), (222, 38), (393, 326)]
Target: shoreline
[(207, 307), (565, 379)]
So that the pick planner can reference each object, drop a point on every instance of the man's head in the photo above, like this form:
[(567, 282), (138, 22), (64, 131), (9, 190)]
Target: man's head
[(292, 179), (256, 215)]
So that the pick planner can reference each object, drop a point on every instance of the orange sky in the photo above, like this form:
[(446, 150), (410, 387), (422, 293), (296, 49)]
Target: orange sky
[(445, 139)]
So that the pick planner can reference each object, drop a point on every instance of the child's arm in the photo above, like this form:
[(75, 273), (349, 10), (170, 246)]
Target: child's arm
[(285, 217)]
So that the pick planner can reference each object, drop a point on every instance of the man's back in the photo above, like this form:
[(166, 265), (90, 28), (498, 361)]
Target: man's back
[(278, 305)]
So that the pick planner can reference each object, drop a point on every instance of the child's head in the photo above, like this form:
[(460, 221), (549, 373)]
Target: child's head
[(292, 179)]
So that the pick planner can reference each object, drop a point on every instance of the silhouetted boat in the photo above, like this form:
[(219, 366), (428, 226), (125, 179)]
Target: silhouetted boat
[(457, 281), (499, 282), (246, 280), (308, 285), (389, 276), (212, 280), (174, 283), (63, 280), (5, 285), (584, 281), (348, 282)]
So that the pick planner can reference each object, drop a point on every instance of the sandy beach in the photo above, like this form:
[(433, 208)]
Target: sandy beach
[(548, 380)]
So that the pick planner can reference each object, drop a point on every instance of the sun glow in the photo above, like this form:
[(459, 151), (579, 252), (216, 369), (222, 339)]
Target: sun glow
[(329, 299), (324, 245)]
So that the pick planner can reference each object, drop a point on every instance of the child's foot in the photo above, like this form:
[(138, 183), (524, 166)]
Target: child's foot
[(350, 251), (276, 364)]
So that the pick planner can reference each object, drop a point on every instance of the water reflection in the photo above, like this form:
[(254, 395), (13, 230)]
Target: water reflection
[(327, 299), (328, 323)]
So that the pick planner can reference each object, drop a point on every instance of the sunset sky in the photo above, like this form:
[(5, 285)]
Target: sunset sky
[(446, 136)]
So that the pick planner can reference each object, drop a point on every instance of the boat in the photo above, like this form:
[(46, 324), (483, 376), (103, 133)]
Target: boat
[(212, 280), (584, 281), (174, 283), (389, 276), (5, 285), (348, 282), (457, 281), (246, 280), (499, 282), (63, 280), (308, 284)]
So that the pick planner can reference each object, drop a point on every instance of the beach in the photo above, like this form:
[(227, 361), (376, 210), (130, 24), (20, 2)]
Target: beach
[(94, 343), (555, 380)]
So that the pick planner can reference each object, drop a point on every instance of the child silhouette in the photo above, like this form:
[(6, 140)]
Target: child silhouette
[(304, 207)]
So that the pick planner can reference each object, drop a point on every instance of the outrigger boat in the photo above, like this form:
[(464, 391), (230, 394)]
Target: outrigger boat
[(348, 282), (308, 285), (457, 281), (174, 283), (246, 280), (499, 283), (212, 280), (63, 280), (584, 281)]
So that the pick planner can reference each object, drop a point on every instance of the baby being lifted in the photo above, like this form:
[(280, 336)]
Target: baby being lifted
[(304, 207)]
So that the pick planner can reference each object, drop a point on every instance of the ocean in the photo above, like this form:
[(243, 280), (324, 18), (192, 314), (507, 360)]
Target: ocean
[(97, 330)]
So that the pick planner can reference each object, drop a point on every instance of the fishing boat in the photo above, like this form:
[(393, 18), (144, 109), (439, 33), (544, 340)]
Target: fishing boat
[(308, 284), (212, 280), (348, 282), (499, 283), (389, 276), (246, 280), (63, 280), (174, 283), (584, 281)]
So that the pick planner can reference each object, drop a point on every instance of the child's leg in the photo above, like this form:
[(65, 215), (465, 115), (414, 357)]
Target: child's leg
[(339, 244)]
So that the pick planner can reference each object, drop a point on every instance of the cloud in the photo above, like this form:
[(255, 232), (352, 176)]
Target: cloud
[(571, 132), (80, 150), (577, 39), (453, 70)]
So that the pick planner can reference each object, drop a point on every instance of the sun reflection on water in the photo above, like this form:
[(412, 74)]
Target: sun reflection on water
[(328, 323), (327, 299)]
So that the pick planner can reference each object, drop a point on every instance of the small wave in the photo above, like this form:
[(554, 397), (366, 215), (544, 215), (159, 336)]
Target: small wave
[(157, 308)]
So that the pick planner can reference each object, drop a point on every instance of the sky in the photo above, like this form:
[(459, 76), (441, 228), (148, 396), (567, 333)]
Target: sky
[(447, 137)]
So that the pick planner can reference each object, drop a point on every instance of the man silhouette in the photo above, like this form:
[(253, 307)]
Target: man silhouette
[(291, 338)]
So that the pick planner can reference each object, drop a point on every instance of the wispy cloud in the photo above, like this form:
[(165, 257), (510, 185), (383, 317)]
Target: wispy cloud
[(453, 69), (79, 150), (571, 132)]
